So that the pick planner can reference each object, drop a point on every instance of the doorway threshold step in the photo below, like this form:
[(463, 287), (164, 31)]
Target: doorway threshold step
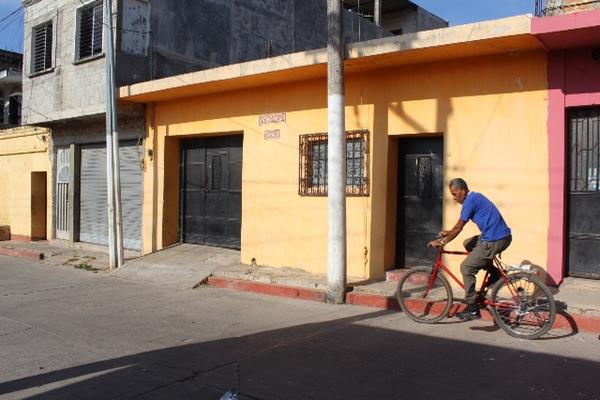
[(395, 275)]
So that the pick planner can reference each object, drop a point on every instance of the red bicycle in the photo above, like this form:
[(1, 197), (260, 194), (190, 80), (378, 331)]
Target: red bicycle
[(519, 302)]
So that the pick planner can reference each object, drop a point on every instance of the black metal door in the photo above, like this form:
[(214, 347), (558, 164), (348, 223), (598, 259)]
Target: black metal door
[(584, 193), (211, 191), (420, 194)]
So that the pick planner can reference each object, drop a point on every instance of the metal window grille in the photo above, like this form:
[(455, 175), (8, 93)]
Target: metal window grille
[(42, 47), (418, 176), (313, 164), (90, 31), (216, 172), (540, 7), (584, 149)]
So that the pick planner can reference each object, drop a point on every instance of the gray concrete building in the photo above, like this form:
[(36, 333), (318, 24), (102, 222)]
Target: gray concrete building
[(64, 81), (397, 16), (11, 65), (64, 52)]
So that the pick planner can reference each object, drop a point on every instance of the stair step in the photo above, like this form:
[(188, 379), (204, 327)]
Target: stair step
[(394, 275)]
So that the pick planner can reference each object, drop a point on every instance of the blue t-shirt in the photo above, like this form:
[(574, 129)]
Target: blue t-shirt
[(485, 215)]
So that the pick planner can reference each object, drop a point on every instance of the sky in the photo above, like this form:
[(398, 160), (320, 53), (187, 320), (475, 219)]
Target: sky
[(11, 29), (456, 12)]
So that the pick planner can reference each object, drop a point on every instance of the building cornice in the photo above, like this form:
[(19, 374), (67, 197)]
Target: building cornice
[(506, 35)]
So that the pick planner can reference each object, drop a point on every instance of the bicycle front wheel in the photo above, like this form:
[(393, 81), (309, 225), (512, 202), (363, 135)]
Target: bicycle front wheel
[(423, 298), (523, 307)]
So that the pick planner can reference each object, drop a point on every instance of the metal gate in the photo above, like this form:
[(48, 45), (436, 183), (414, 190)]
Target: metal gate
[(211, 191), (63, 168), (93, 211), (584, 193), (420, 197)]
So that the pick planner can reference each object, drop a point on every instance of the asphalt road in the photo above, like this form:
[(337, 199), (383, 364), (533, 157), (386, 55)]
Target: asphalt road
[(73, 334)]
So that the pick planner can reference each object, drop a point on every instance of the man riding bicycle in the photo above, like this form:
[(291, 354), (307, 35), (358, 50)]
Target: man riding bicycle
[(495, 237)]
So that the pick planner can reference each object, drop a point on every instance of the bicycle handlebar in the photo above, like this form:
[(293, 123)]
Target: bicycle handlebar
[(442, 251), (457, 253)]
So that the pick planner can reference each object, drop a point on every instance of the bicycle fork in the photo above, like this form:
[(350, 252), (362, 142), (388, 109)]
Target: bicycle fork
[(432, 277)]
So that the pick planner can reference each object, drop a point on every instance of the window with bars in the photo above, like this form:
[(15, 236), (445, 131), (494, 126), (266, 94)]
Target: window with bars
[(584, 149), (14, 109), (423, 176), (313, 164), (89, 32), (41, 59)]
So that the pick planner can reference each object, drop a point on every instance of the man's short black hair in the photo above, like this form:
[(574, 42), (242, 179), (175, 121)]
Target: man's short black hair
[(458, 183)]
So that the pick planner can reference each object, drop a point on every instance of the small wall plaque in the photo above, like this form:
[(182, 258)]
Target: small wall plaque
[(272, 134), (273, 118)]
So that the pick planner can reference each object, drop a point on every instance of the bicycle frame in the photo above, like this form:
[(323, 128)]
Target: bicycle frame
[(519, 302), (439, 265)]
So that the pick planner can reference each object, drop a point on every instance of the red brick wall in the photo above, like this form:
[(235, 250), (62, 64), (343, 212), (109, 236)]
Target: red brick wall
[(557, 7)]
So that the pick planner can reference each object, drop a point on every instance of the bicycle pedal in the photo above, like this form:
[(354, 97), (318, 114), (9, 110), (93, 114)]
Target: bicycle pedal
[(468, 315)]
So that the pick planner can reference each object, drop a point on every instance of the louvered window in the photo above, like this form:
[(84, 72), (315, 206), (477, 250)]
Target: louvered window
[(42, 47), (90, 31)]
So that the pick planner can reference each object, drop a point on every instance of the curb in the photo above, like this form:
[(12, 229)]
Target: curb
[(268, 289), (577, 322), (372, 300), (21, 253), (573, 322)]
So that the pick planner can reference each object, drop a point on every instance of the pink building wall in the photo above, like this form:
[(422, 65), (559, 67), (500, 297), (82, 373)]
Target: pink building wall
[(573, 81)]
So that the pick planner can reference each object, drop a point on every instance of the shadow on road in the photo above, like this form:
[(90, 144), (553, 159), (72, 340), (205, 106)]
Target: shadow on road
[(313, 361)]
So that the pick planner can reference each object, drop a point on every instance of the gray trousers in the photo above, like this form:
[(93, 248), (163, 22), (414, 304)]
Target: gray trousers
[(481, 255)]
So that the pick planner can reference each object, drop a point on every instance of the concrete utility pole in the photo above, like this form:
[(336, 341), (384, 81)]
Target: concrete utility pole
[(336, 155), (377, 12), (113, 180)]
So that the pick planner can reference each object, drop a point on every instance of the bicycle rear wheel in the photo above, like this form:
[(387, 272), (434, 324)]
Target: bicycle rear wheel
[(422, 300), (523, 307)]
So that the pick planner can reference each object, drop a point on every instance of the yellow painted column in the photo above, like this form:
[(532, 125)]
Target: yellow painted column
[(149, 207)]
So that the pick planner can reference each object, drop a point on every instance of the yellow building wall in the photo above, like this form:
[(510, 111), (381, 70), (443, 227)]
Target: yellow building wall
[(491, 112), (23, 151)]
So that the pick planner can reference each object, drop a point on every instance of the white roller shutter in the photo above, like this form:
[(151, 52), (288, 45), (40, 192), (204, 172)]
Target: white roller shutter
[(93, 212)]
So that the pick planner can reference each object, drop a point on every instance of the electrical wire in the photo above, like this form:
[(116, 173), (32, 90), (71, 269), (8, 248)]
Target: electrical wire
[(11, 19), (11, 14), (16, 41)]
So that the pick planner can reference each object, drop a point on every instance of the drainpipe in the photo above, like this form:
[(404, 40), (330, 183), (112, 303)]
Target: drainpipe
[(377, 12), (336, 155)]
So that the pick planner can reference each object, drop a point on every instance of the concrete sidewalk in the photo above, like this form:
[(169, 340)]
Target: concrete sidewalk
[(59, 252), (184, 265), (578, 300)]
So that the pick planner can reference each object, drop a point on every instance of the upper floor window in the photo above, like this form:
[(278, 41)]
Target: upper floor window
[(313, 164), (41, 54), (89, 31), (14, 109)]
